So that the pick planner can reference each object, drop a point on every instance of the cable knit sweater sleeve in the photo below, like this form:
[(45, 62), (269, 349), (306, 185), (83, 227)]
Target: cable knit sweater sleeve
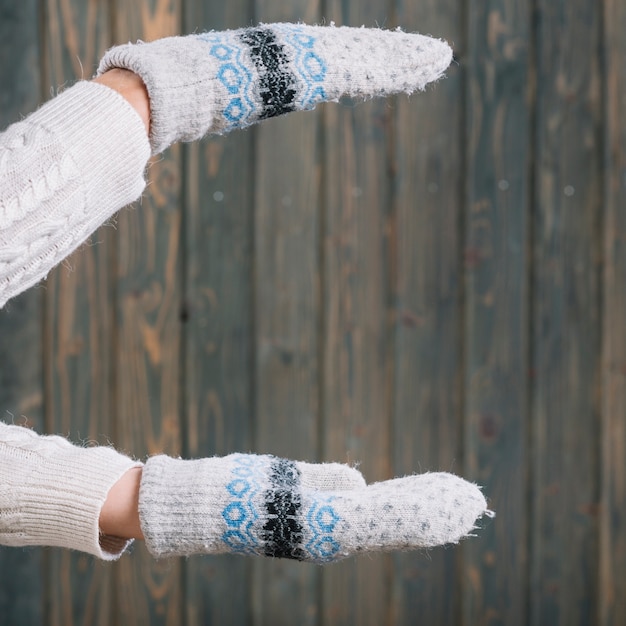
[(64, 170)]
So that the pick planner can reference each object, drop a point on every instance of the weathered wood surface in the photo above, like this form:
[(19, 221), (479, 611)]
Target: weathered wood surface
[(21, 382), (497, 268), (566, 320), (148, 335), (219, 326), (418, 284), (612, 588), (287, 316), (356, 338), (426, 313), (78, 326)]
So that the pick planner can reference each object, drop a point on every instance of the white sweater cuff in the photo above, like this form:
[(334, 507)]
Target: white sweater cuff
[(52, 492), (63, 506)]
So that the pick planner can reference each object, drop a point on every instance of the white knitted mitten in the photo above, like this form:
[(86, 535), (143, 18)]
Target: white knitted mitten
[(267, 506), (217, 81), (51, 492)]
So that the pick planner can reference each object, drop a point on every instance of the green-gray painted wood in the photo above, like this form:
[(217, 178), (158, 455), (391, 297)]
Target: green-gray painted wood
[(77, 325), (427, 312), (21, 392), (148, 354), (324, 315), (496, 259), (612, 588), (566, 319), (356, 286), (219, 327), (287, 313)]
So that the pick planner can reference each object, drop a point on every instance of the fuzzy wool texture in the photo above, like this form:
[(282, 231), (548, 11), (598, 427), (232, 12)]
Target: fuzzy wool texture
[(65, 170), (52, 492), (217, 81), (265, 506), (71, 165)]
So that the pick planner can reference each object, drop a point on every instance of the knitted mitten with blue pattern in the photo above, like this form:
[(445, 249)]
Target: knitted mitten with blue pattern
[(267, 506), (217, 81)]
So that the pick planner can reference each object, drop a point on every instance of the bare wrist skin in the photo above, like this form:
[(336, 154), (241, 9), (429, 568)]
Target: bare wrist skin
[(119, 516), (131, 87)]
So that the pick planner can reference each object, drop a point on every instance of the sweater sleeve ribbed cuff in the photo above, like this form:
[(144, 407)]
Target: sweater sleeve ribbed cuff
[(181, 98), (77, 487)]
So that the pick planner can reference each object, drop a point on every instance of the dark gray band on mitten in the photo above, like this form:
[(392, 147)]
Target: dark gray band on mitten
[(282, 531)]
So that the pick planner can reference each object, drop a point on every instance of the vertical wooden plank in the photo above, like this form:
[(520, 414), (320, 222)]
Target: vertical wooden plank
[(20, 69), (427, 315), (287, 317), (497, 310), (613, 509), (78, 325), (148, 343), (566, 316), (356, 291), (219, 328), (21, 398)]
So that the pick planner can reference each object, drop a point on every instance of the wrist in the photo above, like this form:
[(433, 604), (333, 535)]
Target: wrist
[(130, 86), (119, 516)]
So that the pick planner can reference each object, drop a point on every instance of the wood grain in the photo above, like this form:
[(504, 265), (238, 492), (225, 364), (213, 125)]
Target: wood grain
[(428, 188), (21, 382), (496, 260), (286, 304), (613, 543), (78, 325), (219, 178), (426, 283), (356, 333), (566, 316), (149, 336)]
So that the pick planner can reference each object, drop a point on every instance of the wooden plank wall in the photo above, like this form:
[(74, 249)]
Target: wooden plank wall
[(21, 332), (426, 283)]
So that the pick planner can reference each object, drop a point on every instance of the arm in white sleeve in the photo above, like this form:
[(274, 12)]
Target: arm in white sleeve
[(64, 171), (52, 492)]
